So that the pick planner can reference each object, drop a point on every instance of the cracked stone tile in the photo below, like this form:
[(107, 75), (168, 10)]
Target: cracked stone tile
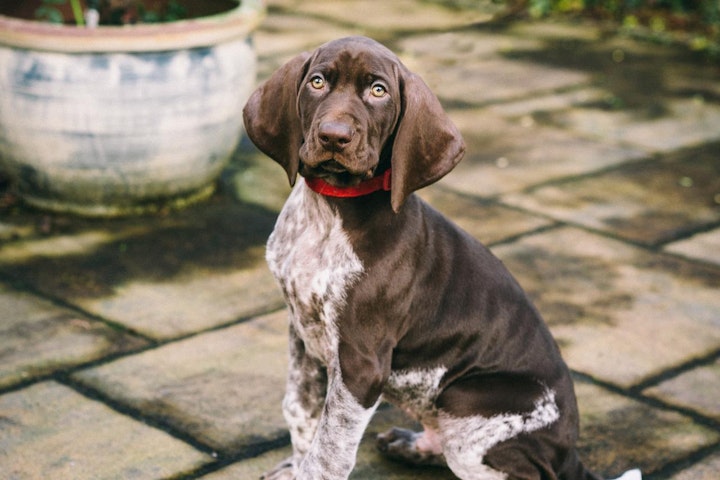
[(697, 389), (702, 246), (619, 313), (50, 431), (503, 156), (224, 387), (38, 338), (647, 203)]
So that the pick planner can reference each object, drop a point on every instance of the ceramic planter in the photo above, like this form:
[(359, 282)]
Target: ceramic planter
[(123, 120)]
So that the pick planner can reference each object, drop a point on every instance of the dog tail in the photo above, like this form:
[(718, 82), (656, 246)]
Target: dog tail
[(631, 475)]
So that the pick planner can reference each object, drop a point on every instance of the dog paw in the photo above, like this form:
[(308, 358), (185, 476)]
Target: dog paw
[(400, 444), (282, 471), (631, 475)]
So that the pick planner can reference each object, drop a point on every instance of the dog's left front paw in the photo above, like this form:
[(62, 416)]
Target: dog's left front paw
[(400, 444)]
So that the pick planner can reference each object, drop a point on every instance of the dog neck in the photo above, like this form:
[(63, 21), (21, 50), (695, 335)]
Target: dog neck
[(375, 184)]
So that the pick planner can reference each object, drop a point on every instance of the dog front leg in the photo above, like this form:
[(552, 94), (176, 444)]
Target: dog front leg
[(306, 388), (342, 423), (302, 405)]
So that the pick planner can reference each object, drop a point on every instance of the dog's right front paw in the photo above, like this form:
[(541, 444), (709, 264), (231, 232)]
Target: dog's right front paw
[(282, 471)]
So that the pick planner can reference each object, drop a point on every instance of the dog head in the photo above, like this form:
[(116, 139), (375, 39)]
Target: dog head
[(347, 112)]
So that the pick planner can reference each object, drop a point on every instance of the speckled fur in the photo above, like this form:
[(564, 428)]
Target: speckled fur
[(310, 255)]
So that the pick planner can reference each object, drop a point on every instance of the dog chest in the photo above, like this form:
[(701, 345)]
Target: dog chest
[(313, 261)]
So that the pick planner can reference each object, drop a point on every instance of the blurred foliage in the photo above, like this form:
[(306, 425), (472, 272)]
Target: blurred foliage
[(112, 12), (694, 22)]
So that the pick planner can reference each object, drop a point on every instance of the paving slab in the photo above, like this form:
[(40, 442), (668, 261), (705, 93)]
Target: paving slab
[(494, 80), (488, 222), (705, 470), (192, 302), (673, 124), (398, 16), (504, 156), (223, 388), (38, 338), (190, 271), (649, 203), (619, 313), (50, 431), (703, 246), (531, 111), (254, 179), (697, 389), (618, 433), (458, 47), (549, 30)]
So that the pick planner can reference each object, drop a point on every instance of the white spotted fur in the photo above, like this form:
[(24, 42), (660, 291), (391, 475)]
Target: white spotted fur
[(310, 255), (467, 440), (416, 391)]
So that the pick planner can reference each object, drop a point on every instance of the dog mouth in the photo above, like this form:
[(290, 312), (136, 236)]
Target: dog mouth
[(336, 173), (333, 167)]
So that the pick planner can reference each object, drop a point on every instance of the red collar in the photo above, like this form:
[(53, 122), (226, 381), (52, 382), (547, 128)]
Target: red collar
[(381, 182)]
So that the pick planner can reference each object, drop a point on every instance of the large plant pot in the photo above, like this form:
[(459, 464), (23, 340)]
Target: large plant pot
[(123, 120)]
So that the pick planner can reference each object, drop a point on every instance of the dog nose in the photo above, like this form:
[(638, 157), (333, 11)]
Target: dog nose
[(335, 136)]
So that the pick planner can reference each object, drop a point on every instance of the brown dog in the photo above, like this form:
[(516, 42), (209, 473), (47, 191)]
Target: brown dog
[(387, 298)]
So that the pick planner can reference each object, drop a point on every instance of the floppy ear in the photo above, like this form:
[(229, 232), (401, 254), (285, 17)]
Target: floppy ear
[(271, 117), (427, 144)]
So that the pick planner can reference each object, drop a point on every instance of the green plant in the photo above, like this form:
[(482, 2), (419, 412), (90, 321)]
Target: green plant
[(49, 11), (109, 14), (699, 20)]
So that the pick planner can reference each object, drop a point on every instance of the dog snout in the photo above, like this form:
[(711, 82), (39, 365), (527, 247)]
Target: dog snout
[(335, 136)]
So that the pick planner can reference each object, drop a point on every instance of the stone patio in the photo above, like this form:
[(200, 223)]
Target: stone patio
[(155, 347)]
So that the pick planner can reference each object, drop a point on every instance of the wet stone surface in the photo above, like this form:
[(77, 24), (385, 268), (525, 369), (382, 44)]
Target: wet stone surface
[(155, 347)]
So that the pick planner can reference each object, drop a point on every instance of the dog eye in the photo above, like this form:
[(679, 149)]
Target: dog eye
[(317, 82), (378, 90)]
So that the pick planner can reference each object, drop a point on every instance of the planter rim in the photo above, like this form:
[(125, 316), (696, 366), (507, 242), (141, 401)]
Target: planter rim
[(197, 32)]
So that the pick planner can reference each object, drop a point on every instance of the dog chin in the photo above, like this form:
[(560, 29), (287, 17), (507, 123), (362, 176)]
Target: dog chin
[(335, 176), (339, 179)]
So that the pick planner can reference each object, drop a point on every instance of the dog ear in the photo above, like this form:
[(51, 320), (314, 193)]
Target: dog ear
[(427, 144), (271, 116)]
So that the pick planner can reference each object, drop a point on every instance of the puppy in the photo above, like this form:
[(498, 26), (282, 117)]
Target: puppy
[(387, 298)]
